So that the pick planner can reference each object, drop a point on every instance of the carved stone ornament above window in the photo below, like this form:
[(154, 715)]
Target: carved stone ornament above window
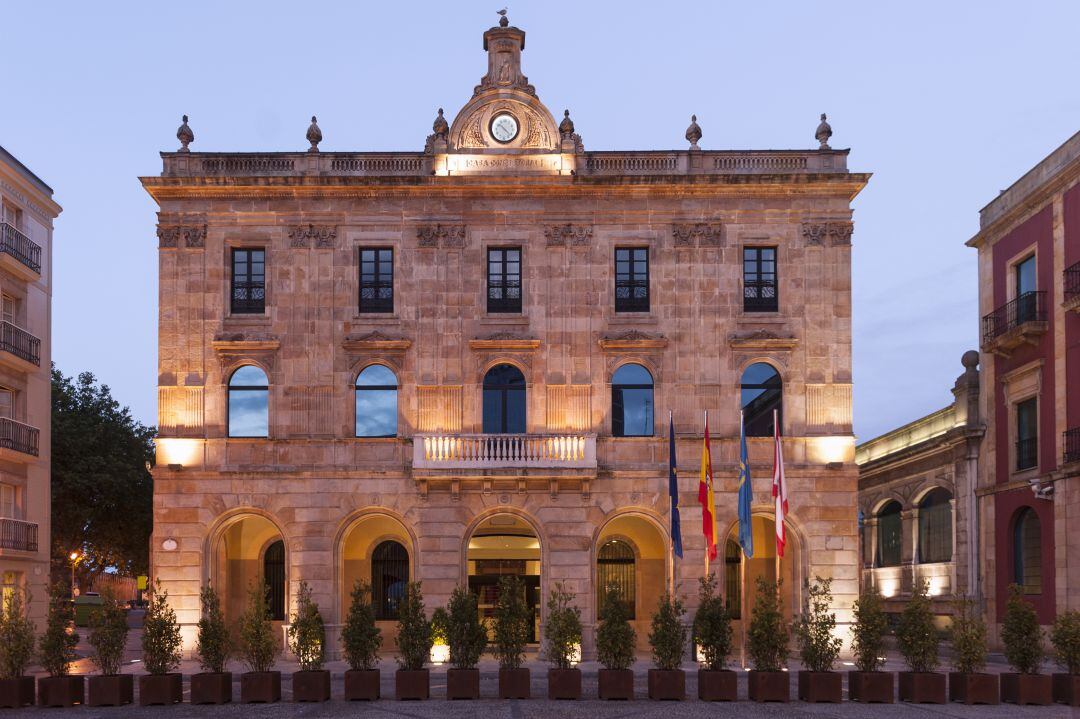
[(302, 235), (568, 234), (375, 342), (243, 343), (172, 235), (505, 342), (837, 231), (632, 340), (762, 340), (701, 234), (439, 235)]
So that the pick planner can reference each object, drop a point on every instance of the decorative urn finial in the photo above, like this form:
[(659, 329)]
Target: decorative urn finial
[(314, 135), (693, 133), (440, 126), (566, 127), (824, 132), (185, 136), (503, 20)]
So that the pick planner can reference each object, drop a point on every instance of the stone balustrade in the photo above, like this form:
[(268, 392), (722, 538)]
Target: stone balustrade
[(508, 451)]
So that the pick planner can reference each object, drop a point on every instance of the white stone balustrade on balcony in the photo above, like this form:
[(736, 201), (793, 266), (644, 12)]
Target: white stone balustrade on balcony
[(504, 451)]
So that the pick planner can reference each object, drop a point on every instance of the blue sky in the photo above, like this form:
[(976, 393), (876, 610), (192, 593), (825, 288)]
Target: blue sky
[(946, 103)]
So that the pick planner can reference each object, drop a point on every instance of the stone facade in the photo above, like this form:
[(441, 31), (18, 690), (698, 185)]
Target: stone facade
[(27, 211), (441, 488)]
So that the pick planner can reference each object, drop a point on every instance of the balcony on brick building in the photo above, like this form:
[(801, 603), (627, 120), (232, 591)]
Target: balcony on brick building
[(1071, 445), (19, 350), (1071, 282), (1021, 321), (18, 253), (18, 441), (18, 534)]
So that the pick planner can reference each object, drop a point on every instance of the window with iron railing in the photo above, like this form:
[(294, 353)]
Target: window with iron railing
[(504, 280), (248, 291), (377, 279), (1028, 307), (1071, 442), (18, 245), (759, 279), (632, 279), (1072, 281)]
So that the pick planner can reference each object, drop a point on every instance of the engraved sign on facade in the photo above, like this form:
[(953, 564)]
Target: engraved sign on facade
[(547, 164)]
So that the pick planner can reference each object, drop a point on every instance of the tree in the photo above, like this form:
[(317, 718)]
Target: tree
[(712, 625), (814, 629), (466, 633), (16, 636), (868, 631), (668, 635), (414, 638), (768, 636), (916, 636), (361, 637), (1021, 633), (108, 635), (562, 631), (102, 492), (56, 647), (615, 638), (214, 643), (512, 618), (258, 648), (161, 640), (307, 635)]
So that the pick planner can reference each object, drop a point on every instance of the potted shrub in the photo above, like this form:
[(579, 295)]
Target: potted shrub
[(512, 619), (213, 645), (562, 642), (1023, 640), (107, 636), (307, 640), (818, 647), (615, 642), (1065, 636), (467, 637), (361, 639), (767, 644), (56, 652), (411, 680), (161, 652), (440, 644), (258, 649), (16, 652), (968, 683), (712, 637), (917, 638), (867, 683), (668, 641)]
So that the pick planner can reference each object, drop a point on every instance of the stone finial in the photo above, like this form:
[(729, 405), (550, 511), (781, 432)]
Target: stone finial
[(503, 20), (185, 136), (824, 132), (566, 127), (314, 135), (440, 126), (693, 133)]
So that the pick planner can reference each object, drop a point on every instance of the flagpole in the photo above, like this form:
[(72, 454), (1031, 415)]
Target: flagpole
[(742, 581), (671, 542), (703, 509), (776, 530)]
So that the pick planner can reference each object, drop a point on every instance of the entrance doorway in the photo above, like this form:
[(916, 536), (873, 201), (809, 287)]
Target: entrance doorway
[(505, 545), (740, 598)]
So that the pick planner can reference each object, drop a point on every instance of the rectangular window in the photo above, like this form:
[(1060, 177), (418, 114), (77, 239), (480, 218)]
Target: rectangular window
[(7, 501), (248, 282), (7, 403), (504, 280), (377, 279), (12, 215), (631, 279), (759, 279), (1026, 299), (10, 308), (1027, 434)]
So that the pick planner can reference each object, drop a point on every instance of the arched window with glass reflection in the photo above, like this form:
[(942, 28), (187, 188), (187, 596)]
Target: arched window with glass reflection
[(632, 402), (376, 402), (504, 400), (249, 403), (762, 392), (890, 534), (935, 527)]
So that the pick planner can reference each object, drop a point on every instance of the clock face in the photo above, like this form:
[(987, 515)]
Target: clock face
[(504, 127)]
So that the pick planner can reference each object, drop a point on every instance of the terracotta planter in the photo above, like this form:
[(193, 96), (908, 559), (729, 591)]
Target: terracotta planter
[(1026, 688), (462, 683), (260, 687), (615, 684), (1066, 689), (720, 685), (667, 684), (211, 688), (514, 683), (922, 687), (412, 684), (311, 686), (821, 687), (63, 691), (111, 691), (362, 685), (16, 693), (870, 687), (160, 689), (978, 688), (769, 686), (564, 683)]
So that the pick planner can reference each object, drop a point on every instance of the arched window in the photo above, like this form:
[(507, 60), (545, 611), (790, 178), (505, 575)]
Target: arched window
[(615, 568), (1027, 551), (889, 536), (504, 400), (389, 575), (632, 402), (935, 527), (733, 578), (376, 402), (274, 576), (249, 403), (762, 392)]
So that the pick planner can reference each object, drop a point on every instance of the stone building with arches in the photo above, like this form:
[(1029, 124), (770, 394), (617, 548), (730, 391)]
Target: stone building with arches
[(457, 363)]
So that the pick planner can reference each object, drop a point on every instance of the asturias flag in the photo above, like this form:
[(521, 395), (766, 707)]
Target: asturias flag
[(705, 496), (746, 496), (673, 491)]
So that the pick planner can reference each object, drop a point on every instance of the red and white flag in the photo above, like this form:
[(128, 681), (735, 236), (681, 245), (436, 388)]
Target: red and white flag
[(779, 488)]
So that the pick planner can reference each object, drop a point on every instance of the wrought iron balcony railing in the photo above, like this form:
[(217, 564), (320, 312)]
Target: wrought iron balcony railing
[(760, 296), (494, 451), (19, 246), (1028, 307), (248, 298), (18, 534), (1072, 282), (1071, 443), (20, 343), (1027, 453), (18, 436)]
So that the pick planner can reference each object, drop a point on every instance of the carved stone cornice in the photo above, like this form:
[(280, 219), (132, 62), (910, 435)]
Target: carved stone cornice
[(568, 234), (762, 340), (323, 235), (439, 235), (837, 231), (504, 342), (171, 235), (243, 344), (632, 340), (701, 234), (375, 342)]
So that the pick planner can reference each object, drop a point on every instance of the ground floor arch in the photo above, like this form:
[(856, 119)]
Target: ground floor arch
[(632, 554), (378, 550), (500, 545), (249, 548), (740, 583)]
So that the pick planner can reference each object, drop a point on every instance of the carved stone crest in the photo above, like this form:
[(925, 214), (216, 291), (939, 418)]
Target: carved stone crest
[(762, 339), (838, 232), (568, 234), (439, 235), (814, 232), (632, 340), (302, 235), (193, 236), (702, 234)]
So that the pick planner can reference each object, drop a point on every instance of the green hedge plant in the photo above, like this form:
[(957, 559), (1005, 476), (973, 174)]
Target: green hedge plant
[(465, 632), (768, 638), (214, 643), (868, 631), (16, 636), (814, 630), (307, 633), (562, 631), (161, 640), (668, 635), (1021, 633), (712, 625), (56, 648), (1065, 636), (414, 637), (108, 634), (615, 638), (968, 635), (361, 637), (916, 636), (512, 619), (258, 646)]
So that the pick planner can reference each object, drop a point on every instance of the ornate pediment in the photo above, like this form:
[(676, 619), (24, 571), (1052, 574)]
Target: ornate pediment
[(573, 235), (375, 342), (632, 340), (762, 340), (505, 342), (700, 234), (243, 342)]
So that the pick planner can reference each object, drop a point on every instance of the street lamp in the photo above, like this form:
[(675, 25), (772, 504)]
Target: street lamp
[(74, 557)]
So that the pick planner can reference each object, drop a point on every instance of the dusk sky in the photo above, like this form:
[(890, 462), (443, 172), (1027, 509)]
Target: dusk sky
[(945, 103)]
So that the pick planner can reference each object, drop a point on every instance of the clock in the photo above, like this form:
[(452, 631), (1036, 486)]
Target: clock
[(504, 127)]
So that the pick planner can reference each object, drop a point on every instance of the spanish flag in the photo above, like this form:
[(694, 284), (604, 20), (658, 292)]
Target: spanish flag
[(705, 496)]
